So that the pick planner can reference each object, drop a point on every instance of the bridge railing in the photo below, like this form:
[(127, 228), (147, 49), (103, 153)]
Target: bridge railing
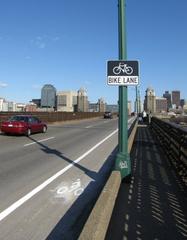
[(173, 139)]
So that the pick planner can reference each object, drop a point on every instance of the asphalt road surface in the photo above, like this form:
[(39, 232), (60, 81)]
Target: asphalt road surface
[(49, 182)]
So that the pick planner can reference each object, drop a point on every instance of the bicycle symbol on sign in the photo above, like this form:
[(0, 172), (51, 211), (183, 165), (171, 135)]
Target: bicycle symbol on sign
[(122, 68), (123, 165)]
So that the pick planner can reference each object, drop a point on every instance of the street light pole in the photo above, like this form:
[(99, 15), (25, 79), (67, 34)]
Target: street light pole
[(122, 159)]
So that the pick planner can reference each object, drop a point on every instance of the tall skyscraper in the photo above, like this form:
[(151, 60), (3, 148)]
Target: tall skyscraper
[(150, 101), (176, 98), (167, 95), (48, 96)]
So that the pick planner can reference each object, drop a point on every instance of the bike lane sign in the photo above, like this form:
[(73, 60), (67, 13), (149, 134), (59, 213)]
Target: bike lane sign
[(123, 73)]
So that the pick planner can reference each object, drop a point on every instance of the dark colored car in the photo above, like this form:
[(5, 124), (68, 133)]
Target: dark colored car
[(23, 124), (108, 115)]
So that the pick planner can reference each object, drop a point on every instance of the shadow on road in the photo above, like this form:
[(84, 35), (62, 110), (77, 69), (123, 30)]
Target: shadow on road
[(71, 224)]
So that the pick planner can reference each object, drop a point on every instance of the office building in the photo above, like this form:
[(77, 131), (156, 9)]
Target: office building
[(161, 105), (167, 95), (150, 101), (1, 103), (82, 100), (176, 98), (182, 102), (11, 106), (102, 105), (20, 107), (138, 103), (67, 101), (48, 96), (37, 102)]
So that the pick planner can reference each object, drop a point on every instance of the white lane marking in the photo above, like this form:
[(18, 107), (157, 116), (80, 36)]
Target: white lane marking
[(22, 200), (89, 126), (42, 140)]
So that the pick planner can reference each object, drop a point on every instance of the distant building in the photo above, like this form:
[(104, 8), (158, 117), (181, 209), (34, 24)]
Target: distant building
[(161, 105), (102, 105), (48, 96), (1, 104), (67, 101), (185, 106), (37, 102), (167, 95), (138, 104), (20, 107), (93, 107), (176, 98), (129, 108), (150, 101), (82, 100), (31, 107), (5, 106), (11, 106), (111, 108), (182, 102)]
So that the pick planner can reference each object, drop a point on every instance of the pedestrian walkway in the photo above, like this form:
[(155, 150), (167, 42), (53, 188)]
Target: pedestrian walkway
[(154, 204)]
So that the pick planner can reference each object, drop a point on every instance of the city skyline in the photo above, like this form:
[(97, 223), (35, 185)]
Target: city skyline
[(67, 45), (72, 90)]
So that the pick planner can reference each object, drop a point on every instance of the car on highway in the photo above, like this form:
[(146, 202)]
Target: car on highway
[(108, 115), (23, 124)]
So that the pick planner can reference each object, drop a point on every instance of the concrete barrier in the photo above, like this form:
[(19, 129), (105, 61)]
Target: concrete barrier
[(98, 220), (132, 136), (97, 223)]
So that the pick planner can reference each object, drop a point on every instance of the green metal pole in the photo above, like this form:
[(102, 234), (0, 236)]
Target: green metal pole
[(122, 159), (136, 101)]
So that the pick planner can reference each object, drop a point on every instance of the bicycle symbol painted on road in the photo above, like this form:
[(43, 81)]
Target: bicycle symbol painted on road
[(65, 193), (75, 188), (122, 68)]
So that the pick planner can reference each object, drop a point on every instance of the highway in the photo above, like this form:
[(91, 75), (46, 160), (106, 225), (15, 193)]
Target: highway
[(49, 182)]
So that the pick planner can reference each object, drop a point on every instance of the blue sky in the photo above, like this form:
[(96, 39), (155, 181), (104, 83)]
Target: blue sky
[(67, 44)]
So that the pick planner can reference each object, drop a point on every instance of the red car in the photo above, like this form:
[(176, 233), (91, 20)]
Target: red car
[(23, 124)]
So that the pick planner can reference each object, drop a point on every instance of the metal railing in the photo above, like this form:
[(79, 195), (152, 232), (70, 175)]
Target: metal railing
[(173, 139)]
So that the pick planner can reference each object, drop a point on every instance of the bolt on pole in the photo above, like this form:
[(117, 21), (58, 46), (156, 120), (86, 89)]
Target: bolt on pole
[(122, 159)]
